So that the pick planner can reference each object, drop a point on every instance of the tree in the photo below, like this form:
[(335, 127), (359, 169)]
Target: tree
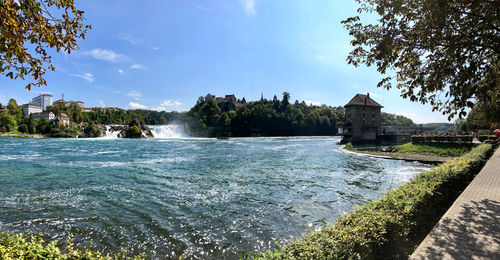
[(37, 24), (286, 99), (443, 52), (15, 110), (7, 122)]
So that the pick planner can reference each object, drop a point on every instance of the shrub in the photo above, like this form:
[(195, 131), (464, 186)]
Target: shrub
[(19, 246), (23, 128), (392, 227), (440, 149), (483, 138), (442, 139), (134, 132)]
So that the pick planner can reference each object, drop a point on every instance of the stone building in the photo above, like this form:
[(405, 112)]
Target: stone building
[(363, 116), (62, 119), (227, 103)]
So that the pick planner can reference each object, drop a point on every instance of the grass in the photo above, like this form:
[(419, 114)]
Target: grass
[(19, 246), (439, 149), (393, 226)]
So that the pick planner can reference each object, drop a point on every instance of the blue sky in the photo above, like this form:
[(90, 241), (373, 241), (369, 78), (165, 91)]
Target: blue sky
[(163, 55)]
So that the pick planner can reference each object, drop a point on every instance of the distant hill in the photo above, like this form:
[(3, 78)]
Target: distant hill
[(395, 120), (441, 127)]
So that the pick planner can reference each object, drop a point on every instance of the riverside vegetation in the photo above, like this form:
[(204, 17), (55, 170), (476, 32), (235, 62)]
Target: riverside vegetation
[(19, 246), (390, 227), (393, 226), (207, 119)]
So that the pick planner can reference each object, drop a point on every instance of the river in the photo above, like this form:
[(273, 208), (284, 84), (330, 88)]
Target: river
[(202, 198)]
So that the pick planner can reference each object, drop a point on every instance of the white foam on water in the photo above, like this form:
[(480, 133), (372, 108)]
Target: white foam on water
[(168, 131), (110, 134)]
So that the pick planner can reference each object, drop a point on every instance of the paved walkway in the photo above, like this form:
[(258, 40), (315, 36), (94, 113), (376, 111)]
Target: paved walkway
[(470, 229)]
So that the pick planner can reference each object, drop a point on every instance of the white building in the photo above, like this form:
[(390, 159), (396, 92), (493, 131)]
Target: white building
[(48, 115), (31, 108), (44, 100)]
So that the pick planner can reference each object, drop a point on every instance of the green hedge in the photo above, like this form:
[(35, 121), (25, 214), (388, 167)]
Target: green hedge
[(441, 139), (392, 227), (19, 246), (483, 138)]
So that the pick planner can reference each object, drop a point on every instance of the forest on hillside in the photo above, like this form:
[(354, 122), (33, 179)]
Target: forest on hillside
[(277, 117)]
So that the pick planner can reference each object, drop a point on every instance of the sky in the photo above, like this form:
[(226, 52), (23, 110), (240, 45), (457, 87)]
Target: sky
[(163, 55)]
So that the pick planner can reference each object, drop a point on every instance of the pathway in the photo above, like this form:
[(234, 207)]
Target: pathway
[(470, 229)]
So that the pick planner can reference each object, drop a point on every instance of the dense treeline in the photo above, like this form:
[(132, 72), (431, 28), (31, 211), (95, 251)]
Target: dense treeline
[(259, 118), (84, 124), (395, 120), (115, 116), (264, 118)]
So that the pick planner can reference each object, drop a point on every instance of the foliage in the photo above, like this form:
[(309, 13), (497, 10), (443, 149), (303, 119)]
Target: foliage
[(7, 122), (348, 146), (264, 118), (434, 47), (440, 149), (115, 116), (36, 24), (92, 130), (442, 139), (484, 116), (134, 132), (393, 226), (440, 127), (19, 246), (15, 110), (483, 138), (395, 120)]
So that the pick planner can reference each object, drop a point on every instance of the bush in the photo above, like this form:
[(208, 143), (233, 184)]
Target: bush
[(92, 130), (392, 227), (23, 128), (440, 149), (442, 139), (18, 246), (7, 122), (483, 138), (134, 132)]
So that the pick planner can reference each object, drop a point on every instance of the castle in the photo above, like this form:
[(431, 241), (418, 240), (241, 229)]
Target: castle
[(229, 102)]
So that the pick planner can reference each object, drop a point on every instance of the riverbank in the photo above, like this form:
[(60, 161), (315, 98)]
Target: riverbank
[(22, 135), (410, 157), (393, 226)]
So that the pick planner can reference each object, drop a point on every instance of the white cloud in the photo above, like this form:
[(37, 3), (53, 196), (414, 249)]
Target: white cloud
[(154, 48), (137, 66), (159, 109), (102, 103), (135, 94), (129, 38), (86, 76), (121, 71), (374, 95), (133, 105), (107, 55), (170, 103), (312, 103), (312, 45), (249, 6)]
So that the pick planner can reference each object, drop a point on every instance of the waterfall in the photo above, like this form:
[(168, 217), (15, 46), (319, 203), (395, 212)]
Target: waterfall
[(168, 131), (111, 133)]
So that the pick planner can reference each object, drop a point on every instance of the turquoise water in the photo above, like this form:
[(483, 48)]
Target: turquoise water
[(202, 198)]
